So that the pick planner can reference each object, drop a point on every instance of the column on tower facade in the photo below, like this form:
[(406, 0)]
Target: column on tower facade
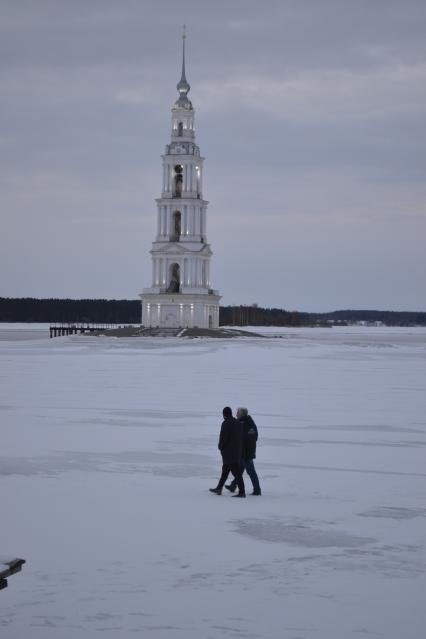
[(167, 220), (189, 219), (185, 220), (192, 220), (198, 221), (203, 229), (164, 216), (195, 219)]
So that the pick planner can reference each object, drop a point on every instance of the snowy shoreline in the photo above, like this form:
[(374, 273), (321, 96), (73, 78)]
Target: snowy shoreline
[(109, 448)]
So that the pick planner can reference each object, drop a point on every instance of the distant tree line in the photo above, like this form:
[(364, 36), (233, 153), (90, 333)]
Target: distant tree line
[(102, 311), (389, 318), (257, 316), (96, 311)]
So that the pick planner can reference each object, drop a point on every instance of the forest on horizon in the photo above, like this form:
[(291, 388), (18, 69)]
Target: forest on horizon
[(103, 311)]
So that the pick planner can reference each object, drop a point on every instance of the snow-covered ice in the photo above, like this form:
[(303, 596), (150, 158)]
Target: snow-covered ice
[(109, 446)]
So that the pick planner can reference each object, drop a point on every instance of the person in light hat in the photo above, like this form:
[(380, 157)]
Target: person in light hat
[(250, 437)]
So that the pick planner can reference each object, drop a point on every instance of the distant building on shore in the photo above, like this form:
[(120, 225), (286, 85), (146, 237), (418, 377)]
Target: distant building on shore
[(180, 294)]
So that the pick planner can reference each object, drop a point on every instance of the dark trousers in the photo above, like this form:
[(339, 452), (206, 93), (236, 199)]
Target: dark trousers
[(235, 469), (248, 465)]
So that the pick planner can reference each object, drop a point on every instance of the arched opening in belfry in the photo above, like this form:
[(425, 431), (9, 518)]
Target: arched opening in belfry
[(210, 321), (180, 128), (203, 274), (174, 278), (177, 224), (178, 179)]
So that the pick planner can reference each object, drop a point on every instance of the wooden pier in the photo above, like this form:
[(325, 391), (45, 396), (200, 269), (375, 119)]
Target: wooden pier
[(60, 330), (9, 566)]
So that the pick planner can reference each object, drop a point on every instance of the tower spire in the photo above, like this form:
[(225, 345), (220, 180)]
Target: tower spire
[(183, 86), (183, 52)]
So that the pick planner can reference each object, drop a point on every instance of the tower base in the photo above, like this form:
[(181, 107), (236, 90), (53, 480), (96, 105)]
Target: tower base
[(180, 310)]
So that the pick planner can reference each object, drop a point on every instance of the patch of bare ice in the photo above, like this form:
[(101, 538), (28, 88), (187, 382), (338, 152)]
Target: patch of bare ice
[(298, 534)]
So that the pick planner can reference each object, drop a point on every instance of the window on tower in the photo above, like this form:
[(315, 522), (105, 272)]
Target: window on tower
[(180, 128), (177, 217), (178, 180), (174, 278)]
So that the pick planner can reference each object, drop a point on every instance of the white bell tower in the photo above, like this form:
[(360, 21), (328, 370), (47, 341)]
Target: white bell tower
[(180, 294)]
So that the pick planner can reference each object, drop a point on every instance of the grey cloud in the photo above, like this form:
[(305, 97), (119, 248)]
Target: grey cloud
[(310, 114)]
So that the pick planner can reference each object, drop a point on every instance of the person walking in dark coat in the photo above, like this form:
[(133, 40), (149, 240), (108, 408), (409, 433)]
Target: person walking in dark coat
[(230, 446), (250, 436)]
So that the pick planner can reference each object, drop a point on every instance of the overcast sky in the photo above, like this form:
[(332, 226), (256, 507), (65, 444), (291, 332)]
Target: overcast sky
[(311, 116)]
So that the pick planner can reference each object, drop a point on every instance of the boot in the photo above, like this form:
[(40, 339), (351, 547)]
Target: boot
[(216, 491), (230, 487), (239, 495), (257, 492)]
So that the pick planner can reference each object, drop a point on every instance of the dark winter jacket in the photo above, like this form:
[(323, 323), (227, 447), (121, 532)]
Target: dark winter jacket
[(249, 437), (231, 440)]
